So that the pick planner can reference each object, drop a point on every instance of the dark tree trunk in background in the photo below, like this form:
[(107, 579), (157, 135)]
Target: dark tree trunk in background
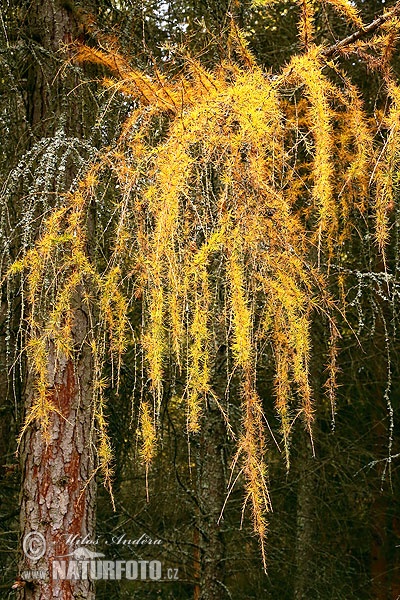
[(52, 100), (384, 556), (305, 523), (211, 470), (381, 554), (57, 499), (211, 496)]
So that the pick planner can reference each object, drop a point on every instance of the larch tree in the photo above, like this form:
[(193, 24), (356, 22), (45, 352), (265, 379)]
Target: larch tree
[(57, 492), (236, 193)]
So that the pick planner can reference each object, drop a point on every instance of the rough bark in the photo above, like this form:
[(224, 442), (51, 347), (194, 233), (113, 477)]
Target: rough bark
[(56, 501), (51, 99), (58, 493)]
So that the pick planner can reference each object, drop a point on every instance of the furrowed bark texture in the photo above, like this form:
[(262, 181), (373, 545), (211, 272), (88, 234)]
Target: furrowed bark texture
[(51, 98), (56, 500)]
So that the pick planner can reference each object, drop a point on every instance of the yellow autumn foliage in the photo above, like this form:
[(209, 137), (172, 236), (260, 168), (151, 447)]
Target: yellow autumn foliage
[(246, 194)]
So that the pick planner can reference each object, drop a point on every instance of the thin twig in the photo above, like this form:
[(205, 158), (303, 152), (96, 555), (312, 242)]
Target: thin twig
[(357, 35)]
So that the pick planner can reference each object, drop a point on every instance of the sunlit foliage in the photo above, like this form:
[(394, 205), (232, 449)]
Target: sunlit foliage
[(236, 191)]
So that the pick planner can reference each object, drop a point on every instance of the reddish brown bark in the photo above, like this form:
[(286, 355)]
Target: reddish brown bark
[(57, 500)]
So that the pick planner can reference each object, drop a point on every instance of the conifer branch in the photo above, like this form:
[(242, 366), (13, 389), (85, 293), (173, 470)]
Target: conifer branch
[(357, 35)]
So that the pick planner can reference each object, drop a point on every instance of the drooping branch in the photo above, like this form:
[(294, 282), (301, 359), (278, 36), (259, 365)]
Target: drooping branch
[(361, 33)]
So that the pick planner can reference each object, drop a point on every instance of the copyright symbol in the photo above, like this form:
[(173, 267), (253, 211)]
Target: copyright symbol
[(34, 545)]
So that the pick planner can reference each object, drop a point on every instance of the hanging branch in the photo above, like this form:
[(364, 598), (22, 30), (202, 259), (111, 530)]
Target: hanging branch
[(357, 35)]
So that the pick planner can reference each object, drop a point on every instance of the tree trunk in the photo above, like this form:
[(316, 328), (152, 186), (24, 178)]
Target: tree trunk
[(57, 502), (211, 494), (58, 492), (305, 527), (52, 100), (212, 481)]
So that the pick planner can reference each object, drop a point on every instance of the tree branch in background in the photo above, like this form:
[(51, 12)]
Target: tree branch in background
[(361, 33)]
